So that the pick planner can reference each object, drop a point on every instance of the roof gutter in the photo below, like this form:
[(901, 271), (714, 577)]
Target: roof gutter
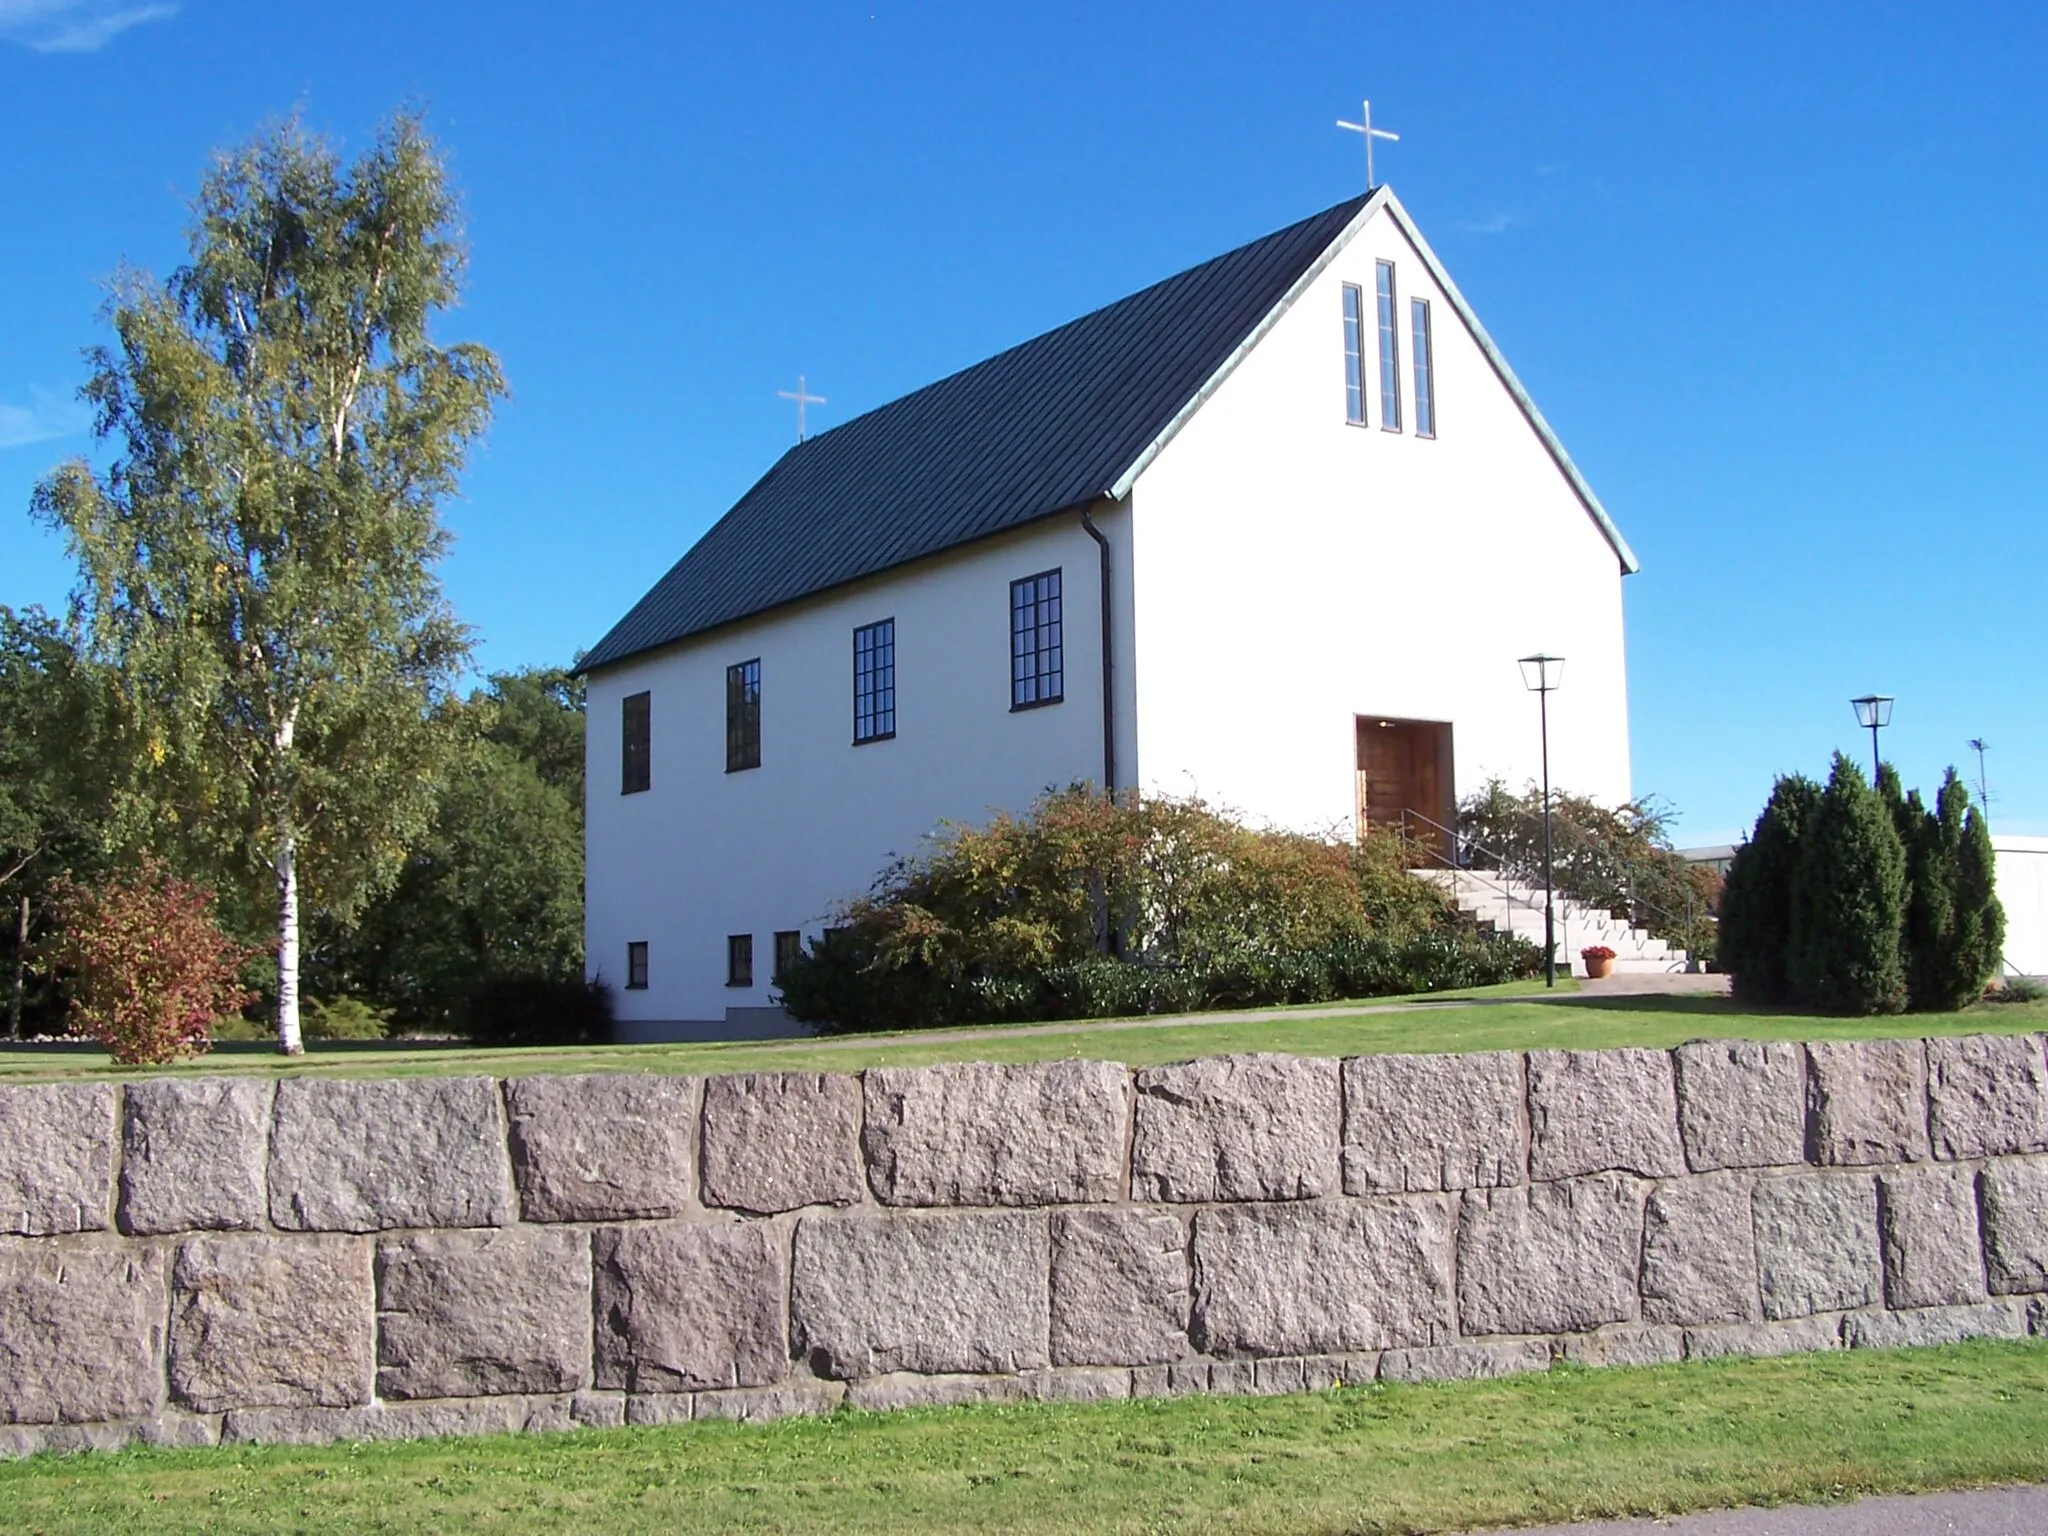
[(1108, 672)]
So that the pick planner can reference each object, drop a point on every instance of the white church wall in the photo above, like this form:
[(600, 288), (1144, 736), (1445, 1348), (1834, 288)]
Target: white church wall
[(703, 853), (2022, 864), (1294, 570)]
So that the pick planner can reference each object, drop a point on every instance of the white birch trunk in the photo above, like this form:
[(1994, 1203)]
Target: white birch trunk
[(288, 1040)]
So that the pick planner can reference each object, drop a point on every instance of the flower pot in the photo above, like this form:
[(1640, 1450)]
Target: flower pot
[(1600, 967)]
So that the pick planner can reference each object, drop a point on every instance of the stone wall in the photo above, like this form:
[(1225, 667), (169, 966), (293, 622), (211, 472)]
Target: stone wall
[(201, 1259)]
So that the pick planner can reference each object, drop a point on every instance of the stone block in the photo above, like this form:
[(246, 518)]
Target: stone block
[(1867, 1101), (1987, 1095), (1466, 1362), (1927, 1218), (298, 1426), (1418, 1123), (1699, 1252), (1254, 1127), (759, 1405), (1935, 1325), (1741, 1104), (56, 1158), (774, 1141), (2015, 1194), (1601, 1112), (1816, 1243), (179, 1432), (192, 1154), (647, 1408), (1793, 1337), (682, 1308), (604, 1146), (976, 1133), (1237, 1378), (906, 1390), (81, 1330), (598, 1410), (1624, 1344), (1550, 1258), (1119, 1288), (935, 1294), (478, 1314), (1083, 1384), (1334, 1276), (369, 1154), (260, 1321)]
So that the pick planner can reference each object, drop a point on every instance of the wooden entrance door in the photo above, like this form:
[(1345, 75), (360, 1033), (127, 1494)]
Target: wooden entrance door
[(1405, 766)]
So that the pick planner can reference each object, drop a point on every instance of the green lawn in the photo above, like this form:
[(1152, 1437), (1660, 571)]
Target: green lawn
[(1569, 1444), (1517, 1016)]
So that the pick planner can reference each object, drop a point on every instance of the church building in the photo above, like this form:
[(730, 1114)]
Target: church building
[(1274, 531)]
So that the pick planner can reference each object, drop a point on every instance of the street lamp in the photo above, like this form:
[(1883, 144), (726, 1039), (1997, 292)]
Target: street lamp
[(1874, 713), (1540, 674)]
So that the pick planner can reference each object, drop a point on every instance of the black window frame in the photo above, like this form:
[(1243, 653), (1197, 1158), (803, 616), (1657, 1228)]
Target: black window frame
[(1038, 674), (636, 743), (1354, 355), (1422, 358), (874, 682), (739, 960), (636, 965), (1388, 295), (789, 945), (743, 716)]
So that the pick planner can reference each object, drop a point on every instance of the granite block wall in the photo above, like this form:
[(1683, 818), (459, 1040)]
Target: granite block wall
[(193, 1260)]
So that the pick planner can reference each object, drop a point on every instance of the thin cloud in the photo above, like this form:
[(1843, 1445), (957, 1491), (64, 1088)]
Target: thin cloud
[(44, 417), (74, 26), (1492, 224)]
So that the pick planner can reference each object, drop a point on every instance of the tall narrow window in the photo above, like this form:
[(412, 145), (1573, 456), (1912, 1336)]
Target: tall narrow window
[(1354, 354), (636, 758), (636, 966), (1037, 672), (789, 948), (743, 716), (1425, 368), (739, 960), (1390, 353), (874, 682)]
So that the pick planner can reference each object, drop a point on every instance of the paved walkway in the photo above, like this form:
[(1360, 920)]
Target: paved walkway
[(1990, 1512)]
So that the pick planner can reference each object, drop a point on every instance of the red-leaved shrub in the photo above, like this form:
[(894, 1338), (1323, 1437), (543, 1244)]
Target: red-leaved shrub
[(147, 966)]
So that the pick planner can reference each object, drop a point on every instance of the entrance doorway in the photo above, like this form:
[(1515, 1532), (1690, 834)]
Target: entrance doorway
[(1405, 766)]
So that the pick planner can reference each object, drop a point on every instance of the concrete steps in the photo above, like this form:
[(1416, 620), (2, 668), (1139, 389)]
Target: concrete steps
[(1508, 905)]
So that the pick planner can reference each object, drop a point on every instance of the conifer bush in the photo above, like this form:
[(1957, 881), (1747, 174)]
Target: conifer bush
[(145, 962), (1845, 952), (1756, 899)]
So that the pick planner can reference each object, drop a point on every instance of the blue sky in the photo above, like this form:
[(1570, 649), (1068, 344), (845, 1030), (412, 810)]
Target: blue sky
[(1774, 273)]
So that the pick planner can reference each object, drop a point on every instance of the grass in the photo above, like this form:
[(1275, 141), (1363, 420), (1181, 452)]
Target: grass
[(1515, 1017), (1568, 1444)]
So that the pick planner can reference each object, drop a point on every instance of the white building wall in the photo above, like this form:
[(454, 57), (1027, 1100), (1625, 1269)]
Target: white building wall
[(2022, 864), (704, 853), (1294, 571)]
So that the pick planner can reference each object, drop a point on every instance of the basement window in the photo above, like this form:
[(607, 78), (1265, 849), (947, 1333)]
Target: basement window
[(636, 966), (1037, 668), (789, 948), (743, 716), (739, 960), (636, 755)]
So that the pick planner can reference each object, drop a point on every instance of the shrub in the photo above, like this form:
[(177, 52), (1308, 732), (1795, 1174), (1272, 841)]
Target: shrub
[(1848, 902), (1756, 899), (344, 1018), (540, 1010), (2017, 989), (149, 968), (1955, 927)]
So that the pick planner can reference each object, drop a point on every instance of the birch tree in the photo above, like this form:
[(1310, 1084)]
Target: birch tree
[(257, 559)]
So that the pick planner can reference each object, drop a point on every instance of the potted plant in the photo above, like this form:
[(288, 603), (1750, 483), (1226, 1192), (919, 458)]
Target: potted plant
[(1599, 960)]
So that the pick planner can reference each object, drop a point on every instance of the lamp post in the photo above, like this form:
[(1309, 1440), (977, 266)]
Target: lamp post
[(1540, 674), (1873, 713)]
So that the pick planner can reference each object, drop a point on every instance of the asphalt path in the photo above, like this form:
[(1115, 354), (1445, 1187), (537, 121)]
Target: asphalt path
[(1987, 1512)]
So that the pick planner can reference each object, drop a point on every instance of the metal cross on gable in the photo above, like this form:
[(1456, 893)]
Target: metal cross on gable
[(802, 399), (1366, 129)]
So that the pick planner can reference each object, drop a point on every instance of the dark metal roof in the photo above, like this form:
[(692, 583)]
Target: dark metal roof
[(1047, 425)]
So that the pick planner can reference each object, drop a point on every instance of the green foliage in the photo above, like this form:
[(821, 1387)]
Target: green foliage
[(1848, 902), (1955, 927), (1087, 906), (540, 1010), (1756, 901), (257, 562), (494, 889), (346, 1018), (148, 967), (2018, 989)]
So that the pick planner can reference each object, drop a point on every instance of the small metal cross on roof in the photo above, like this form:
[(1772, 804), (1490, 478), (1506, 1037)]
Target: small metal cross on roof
[(1370, 133), (802, 399)]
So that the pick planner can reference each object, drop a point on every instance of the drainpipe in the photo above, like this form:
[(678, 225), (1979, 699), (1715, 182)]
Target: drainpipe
[(1108, 675)]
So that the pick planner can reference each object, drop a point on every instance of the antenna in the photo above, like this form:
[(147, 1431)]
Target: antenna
[(1979, 746), (1370, 133)]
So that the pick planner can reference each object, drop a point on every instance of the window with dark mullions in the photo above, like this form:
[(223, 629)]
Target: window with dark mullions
[(789, 948), (1390, 352), (636, 966), (874, 682), (1425, 368), (743, 716), (1037, 671), (1354, 354), (636, 756), (739, 960)]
